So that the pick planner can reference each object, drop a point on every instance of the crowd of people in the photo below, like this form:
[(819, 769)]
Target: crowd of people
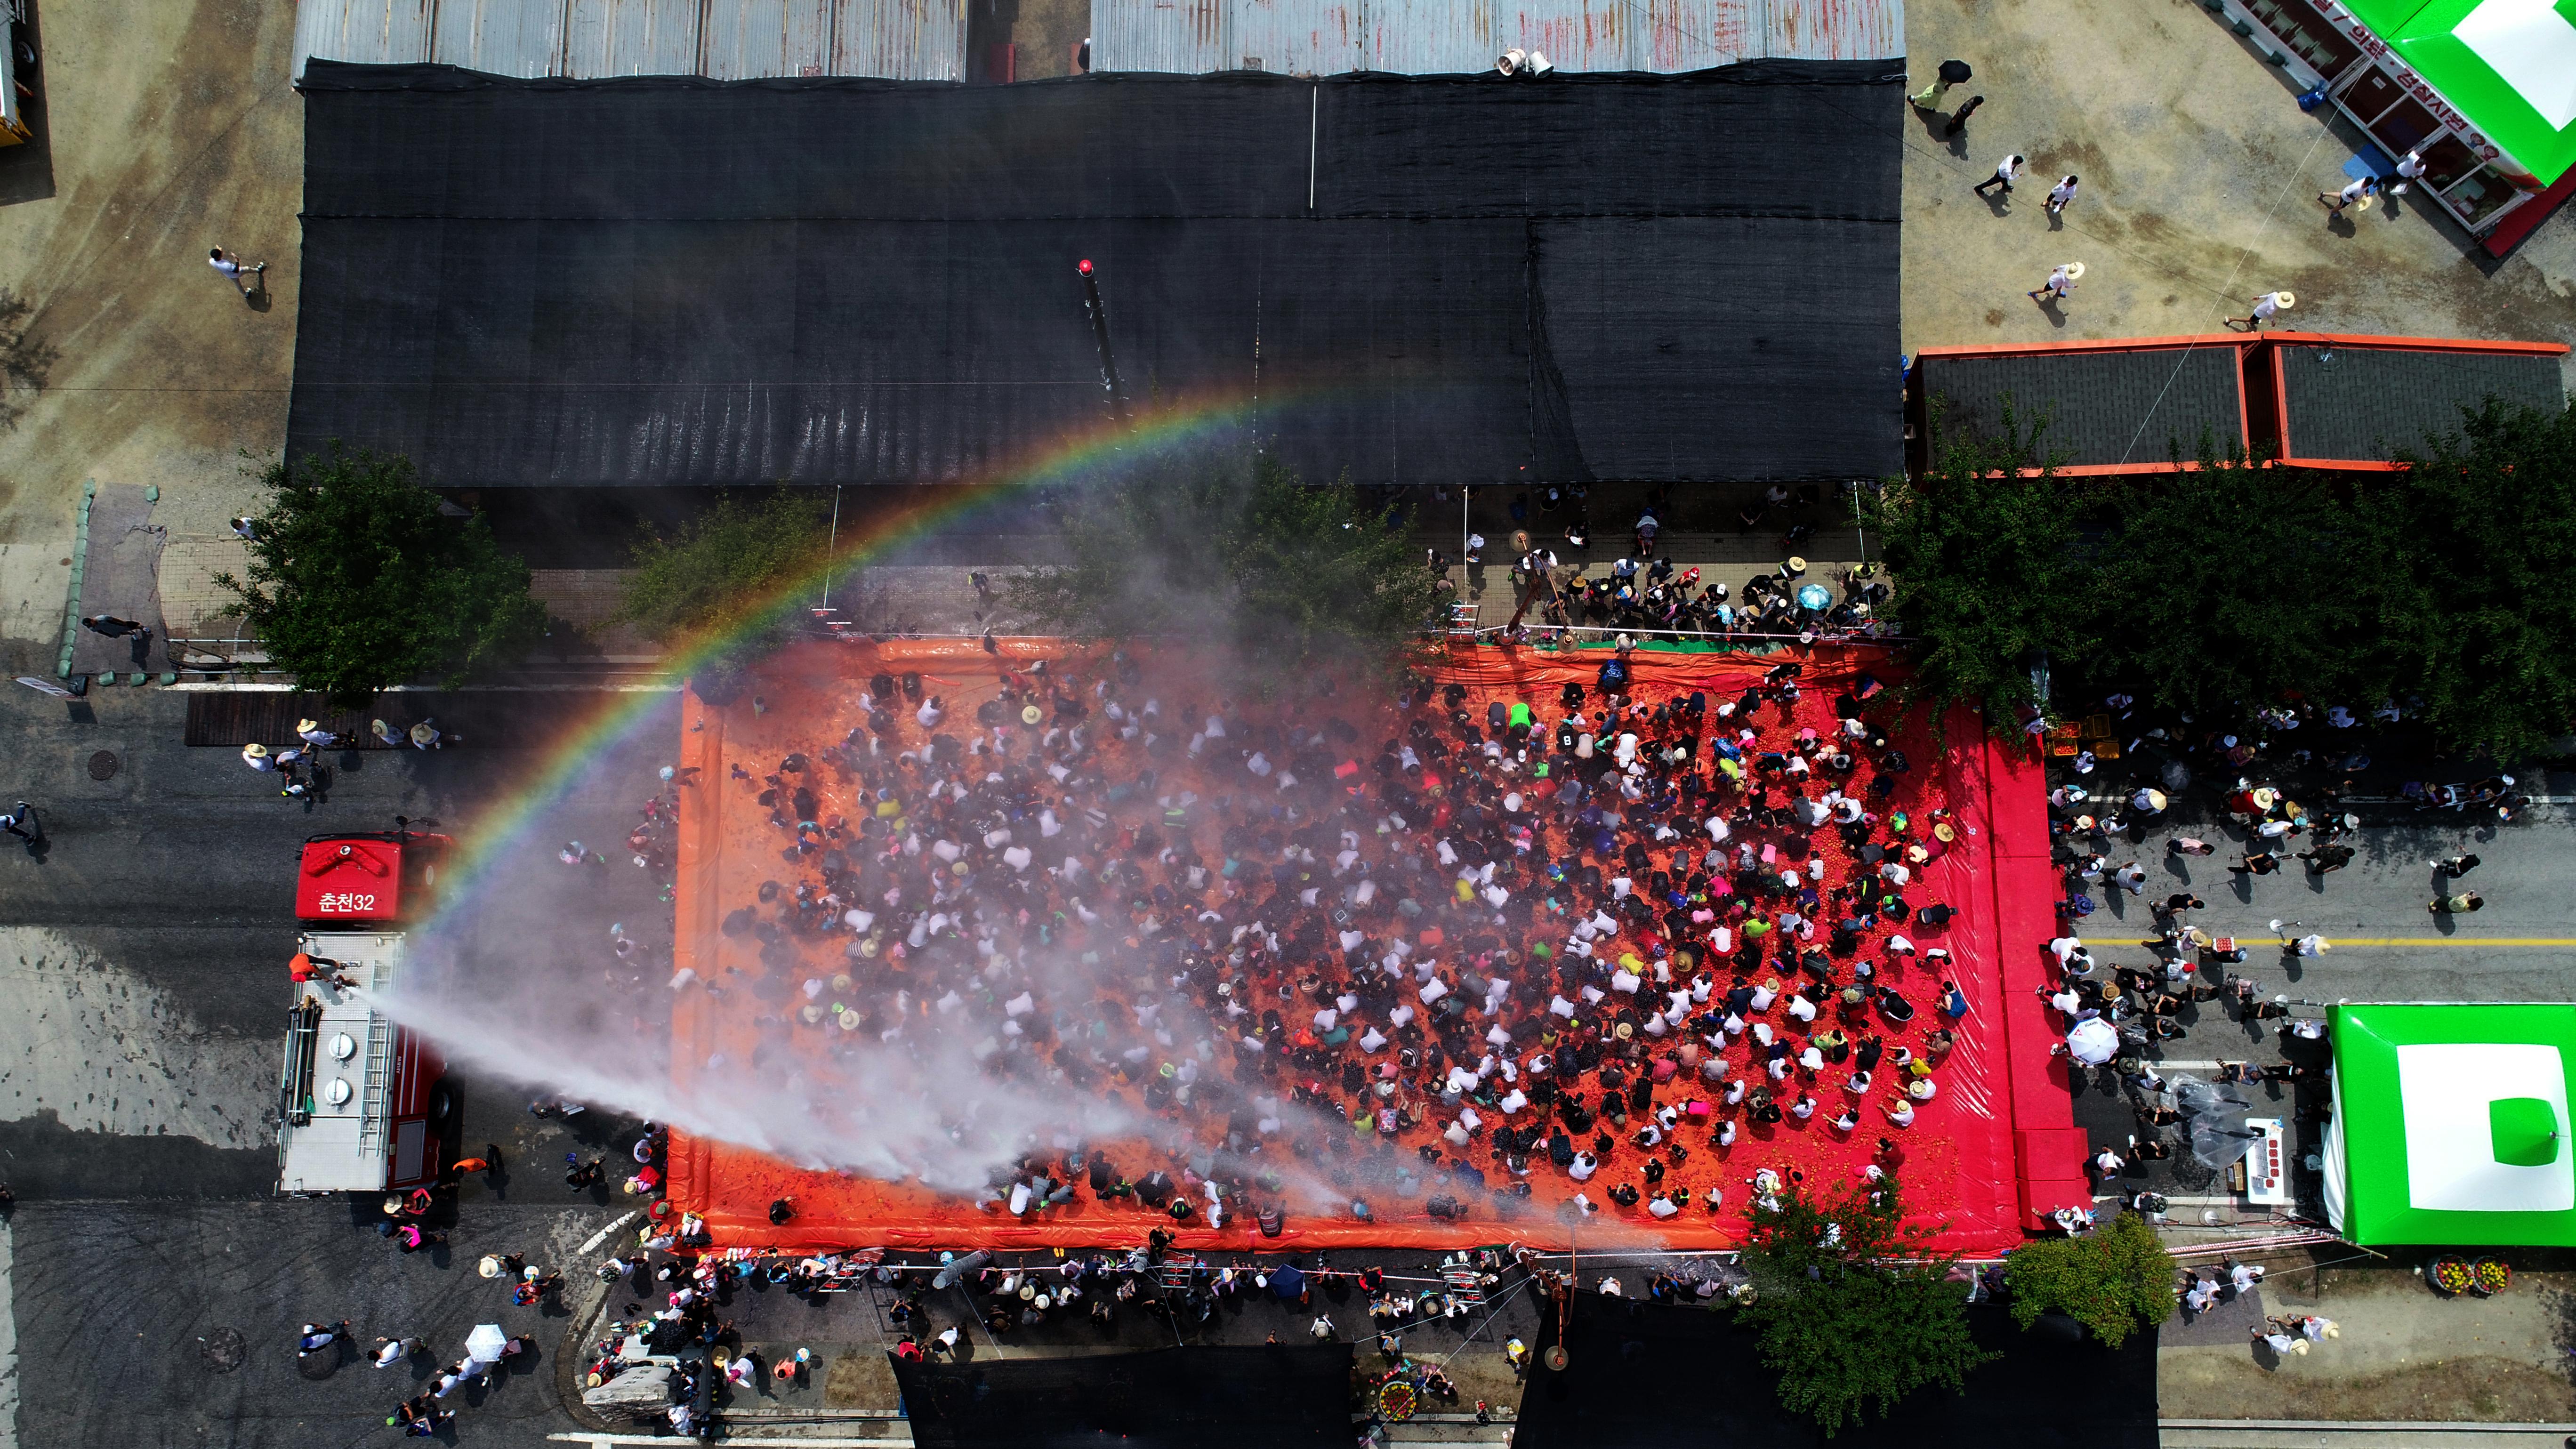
[(1585, 944), (299, 769)]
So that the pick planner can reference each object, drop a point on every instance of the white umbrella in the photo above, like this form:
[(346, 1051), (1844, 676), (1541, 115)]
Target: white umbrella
[(2093, 1042), (485, 1343)]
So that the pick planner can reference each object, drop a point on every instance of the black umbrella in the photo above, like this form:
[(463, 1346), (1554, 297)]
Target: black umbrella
[(1954, 71)]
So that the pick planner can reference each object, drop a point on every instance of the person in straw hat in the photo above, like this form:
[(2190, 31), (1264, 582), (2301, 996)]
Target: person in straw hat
[(2356, 192), (311, 732), (2266, 307), (257, 757), (2059, 283)]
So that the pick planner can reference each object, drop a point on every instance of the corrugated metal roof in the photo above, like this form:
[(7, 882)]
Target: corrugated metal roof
[(631, 37), (364, 32), (1440, 37), (917, 39), (502, 37), (594, 39)]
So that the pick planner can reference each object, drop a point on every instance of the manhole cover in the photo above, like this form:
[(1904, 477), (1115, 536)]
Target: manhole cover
[(223, 1349), (102, 765)]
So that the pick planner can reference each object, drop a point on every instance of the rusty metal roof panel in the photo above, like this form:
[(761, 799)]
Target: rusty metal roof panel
[(363, 32), (1187, 37), (1832, 29), (631, 37), (900, 39), (1299, 37), (501, 37), (1446, 37), (753, 39), (594, 39)]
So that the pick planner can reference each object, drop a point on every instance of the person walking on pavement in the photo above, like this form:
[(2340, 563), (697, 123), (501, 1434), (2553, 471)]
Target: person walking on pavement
[(391, 1351), (2359, 189), (2257, 862), (235, 269), (315, 1337), (2007, 172), (2059, 283), (2410, 168), (2266, 307), (2060, 194), (2461, 904), (1951, 73), (116, 628), (1959, 122), (2453, 867), (21, 822)]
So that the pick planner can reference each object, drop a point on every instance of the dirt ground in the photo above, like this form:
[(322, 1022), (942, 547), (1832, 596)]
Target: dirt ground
[(169, 128), (2200, 176), (2404, 1353)]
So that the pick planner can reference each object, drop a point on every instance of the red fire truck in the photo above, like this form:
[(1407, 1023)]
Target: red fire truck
[(362, 1105)]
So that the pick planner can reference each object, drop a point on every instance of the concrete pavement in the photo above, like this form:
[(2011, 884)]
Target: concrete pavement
[(2200, 176), (170, 128)]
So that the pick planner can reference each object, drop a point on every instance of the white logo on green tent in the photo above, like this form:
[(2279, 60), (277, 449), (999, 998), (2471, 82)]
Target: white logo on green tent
[(2521, 1162), (2531, 44)]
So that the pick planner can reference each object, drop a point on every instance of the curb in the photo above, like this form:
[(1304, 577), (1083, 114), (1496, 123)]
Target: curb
[(80, 566), (2334, 1434)]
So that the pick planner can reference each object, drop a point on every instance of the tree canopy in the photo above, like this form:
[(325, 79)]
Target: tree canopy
[(2484, 522), (2114, 1281), (1230, 547), (357, 581), (2222, 588), (719, 570), (1854, 1307), (1991, 578)]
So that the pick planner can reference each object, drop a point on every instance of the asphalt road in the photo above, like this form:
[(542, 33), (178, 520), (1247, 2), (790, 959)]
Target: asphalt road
[(142, 949), (2384, 946)]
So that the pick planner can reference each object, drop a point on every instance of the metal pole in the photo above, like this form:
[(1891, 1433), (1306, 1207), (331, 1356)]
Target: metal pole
[(1314, 131), (833, 547), (1857, 525)]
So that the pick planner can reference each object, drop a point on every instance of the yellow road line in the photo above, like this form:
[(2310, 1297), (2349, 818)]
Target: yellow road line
[(2546, 942)]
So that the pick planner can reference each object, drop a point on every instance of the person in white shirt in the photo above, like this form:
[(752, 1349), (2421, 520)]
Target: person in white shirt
[(233, 268), (2059, 283), (2410, 167), (2060, 194), (2007, 172), (2358, 189), (2266, 307)]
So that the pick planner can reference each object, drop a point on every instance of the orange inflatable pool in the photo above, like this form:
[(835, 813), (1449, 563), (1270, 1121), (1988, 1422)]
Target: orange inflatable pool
[(1320, 1067)]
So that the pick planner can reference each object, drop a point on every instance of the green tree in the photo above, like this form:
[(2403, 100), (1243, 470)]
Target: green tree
[(2231, 584), (1990, 576), (1230, 547), (725, 567), (357, 581), (1854, 1307), (2114, 1281), (2482, 524)]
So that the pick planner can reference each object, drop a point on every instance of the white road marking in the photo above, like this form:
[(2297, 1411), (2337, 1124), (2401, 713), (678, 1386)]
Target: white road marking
[(663, 1442), (597, 1238), (8, 1340)]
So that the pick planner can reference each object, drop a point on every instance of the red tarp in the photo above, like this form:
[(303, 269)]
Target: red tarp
[(1959, 1163)]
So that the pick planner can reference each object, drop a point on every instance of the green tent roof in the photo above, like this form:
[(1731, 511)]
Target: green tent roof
[(2451, 1125), (2508, 65), (2384, 16)]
